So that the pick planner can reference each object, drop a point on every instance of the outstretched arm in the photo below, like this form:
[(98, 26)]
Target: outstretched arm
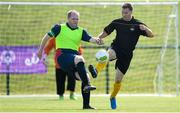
[(49, 46), (43, 43), (103, 35), (96, 41), (86, 37), (99, 40)]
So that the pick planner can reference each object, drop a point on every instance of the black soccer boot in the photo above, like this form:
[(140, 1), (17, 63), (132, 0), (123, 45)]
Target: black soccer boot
[(88, 107), (88, 88)]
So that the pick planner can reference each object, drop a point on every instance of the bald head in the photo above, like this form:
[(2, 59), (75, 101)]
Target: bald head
[(73, 18), (72, 12)]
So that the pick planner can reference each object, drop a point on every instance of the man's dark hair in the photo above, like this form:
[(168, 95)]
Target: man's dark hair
[(127, 5)]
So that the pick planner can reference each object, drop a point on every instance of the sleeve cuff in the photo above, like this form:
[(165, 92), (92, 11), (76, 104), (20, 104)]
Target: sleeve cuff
[(51, 34)]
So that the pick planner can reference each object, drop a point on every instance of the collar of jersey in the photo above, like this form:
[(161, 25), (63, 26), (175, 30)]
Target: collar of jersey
[(71, 27)]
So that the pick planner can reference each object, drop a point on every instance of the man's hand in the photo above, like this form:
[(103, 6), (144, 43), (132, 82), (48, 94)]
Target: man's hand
[(96, 40), (142, 27), (147, 30), (45, 60), (99, 41)]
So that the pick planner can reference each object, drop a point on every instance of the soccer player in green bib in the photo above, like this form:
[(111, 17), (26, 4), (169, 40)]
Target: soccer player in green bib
[(68, 37)]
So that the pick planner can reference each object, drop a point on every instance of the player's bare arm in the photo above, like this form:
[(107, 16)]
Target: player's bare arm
[(96, 41), (148, 31), (100, 37), (103, 35), (43, 43)]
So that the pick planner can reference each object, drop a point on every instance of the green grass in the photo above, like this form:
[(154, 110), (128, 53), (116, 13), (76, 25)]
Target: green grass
[(125, 104), (140, 77), (86, 0)]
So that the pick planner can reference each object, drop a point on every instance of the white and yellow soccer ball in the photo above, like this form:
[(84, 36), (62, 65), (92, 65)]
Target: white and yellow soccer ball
[(102, 56)]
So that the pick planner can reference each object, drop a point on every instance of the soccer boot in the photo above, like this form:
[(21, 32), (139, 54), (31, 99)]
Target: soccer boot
[(61, 97), (72, 96), (113, 103), (88, 107), (88, 88), (93, 71)]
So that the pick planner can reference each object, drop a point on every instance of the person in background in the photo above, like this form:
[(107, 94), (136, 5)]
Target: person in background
[(60, 74)]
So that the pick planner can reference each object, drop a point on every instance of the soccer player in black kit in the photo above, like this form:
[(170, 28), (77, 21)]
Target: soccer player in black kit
[(128, 30)]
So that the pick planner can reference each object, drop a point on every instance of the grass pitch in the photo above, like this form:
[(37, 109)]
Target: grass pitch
[(125, 104)]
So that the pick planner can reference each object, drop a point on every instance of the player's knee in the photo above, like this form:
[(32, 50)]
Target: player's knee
[(79, 59), (118, 79), (77, 77), (119, 76), (112, 54)]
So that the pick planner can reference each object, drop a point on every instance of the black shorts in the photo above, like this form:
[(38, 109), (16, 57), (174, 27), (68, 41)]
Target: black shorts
[(123, 60), (122, 65)]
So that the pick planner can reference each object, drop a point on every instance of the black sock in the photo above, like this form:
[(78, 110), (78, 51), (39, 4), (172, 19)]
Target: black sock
[(86, 96), (82, 73), (71, 81)]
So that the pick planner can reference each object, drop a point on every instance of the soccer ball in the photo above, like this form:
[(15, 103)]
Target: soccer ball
[(102, 56)]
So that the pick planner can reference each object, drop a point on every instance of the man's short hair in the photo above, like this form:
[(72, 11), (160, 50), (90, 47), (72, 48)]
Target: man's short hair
[(70, 12), (127, 5)]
